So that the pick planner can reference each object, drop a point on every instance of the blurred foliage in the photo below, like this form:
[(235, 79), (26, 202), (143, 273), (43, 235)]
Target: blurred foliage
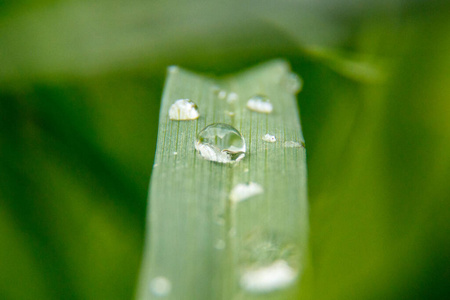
[(80, 85)]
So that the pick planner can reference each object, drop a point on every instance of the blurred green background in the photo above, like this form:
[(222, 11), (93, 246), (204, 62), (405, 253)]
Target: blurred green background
[(80, 86)]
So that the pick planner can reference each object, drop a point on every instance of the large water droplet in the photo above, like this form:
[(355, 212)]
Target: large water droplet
[(275, 276), (220, 142), (260, 104), (160, 286), (183, 109), (244, 191)]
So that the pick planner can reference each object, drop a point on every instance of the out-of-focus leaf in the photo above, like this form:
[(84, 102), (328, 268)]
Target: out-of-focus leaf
[(79, 38)]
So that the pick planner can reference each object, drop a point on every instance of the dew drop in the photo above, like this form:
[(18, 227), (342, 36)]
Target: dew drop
[(269, 138), (275, 276), (242, 191), (260, 104), (222, 94), (229, 113), (160, 286), (173, 69), (292, 144), (221, 143), (293, 83), (175, 153), (183, 109), (232, 97)]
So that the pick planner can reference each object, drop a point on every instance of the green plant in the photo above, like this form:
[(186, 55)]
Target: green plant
[(202, 242)]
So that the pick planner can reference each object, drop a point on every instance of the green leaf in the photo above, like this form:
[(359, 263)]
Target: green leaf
[(201, 245)]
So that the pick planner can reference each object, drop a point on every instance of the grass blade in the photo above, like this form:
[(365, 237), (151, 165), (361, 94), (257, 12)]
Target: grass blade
[(201, 245)]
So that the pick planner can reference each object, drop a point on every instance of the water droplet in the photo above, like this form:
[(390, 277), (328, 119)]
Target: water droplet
[(173, 69), (269, 138), (260, 104), (270, 255), (293, 83), (220, 142), (220, 245), (175, 153), (160, 286), (222, 94), (183, 109), (292, 144), (230, 113), (242, 191), (232, 97), (275, 276)]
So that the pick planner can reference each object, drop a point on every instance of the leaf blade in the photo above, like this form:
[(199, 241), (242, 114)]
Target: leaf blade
[(190, 213)]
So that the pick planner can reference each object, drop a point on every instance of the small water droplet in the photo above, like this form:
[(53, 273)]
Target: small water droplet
[(220, 142), (160, 286), (173, 69), (293, 83), (292, 144), (175, 153), (220, 245), (260, 104), (242, 191), (269, 138), (222, 94), (275, 276), (230, 113), (232, 97), (183, 109)]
